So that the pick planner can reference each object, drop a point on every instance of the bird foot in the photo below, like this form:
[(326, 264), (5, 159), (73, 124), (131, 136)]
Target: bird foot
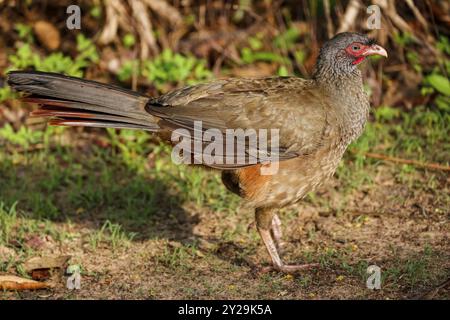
[(292, 268)]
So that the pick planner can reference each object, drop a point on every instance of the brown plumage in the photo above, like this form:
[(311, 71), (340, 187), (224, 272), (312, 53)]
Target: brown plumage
[(316, 118)]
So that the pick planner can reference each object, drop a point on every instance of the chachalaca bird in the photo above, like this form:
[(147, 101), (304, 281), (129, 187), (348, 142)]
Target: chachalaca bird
[(317, 119)]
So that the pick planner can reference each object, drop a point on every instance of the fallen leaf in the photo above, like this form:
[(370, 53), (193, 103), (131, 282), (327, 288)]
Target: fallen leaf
[(40, 274), (45, 263), (10, 282), (47, 34)]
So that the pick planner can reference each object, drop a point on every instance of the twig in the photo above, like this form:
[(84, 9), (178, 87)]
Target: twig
[(330, 29), (389, 8), (173, 16), (116, 15), (112, 22), (432, 293), (351, 12), (432, 166), (417, 13), (165, 10), (144, 28)]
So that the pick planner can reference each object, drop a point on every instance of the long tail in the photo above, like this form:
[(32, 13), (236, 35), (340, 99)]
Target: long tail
[(77, 102)]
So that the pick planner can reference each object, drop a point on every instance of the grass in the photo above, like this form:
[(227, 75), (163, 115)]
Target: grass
[(413, 271), (59, 182), (178, 257), (421, 134), (112, 234), (8, 219)]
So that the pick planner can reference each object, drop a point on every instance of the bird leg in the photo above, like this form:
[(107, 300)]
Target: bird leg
[(277, 233), (264, 223)]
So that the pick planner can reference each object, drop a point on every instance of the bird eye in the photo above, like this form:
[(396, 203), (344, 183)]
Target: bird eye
[(355, 48)]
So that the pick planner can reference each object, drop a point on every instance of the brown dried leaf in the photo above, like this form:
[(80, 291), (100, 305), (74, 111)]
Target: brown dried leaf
[(9, 282), (47, 34), (40, 274), (45, 263)]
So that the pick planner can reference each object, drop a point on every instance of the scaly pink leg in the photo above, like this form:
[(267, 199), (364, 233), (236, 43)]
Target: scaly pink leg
[(264, 224)]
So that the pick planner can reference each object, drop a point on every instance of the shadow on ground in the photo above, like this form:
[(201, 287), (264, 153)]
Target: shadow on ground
[(89, 190)]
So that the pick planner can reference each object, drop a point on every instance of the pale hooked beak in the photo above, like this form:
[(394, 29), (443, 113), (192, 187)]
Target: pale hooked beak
[(375, 50)]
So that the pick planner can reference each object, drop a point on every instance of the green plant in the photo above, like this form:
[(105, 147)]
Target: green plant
[(25, 32), (131, 144), (87, 52), (250, 56), (25, 58), (177, 257), (284, 41), (439, 84), (282, 71), (287, 39), (24, 137), (175, 68), (127, 70), (6, 94), (129, 40), (56, 62), (443, 45), (96, 11), (8, 219), (111, 233), (414, 60), (403, 39)]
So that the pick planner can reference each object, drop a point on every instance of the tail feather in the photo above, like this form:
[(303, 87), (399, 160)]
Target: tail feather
[(97, 124), (67, 100), (62, 108), (51, 111)]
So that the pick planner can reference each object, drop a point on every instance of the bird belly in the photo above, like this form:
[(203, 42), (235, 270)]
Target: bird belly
[(295, 178)]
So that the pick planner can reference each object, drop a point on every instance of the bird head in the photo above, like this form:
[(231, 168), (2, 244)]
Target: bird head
[(345, 51)]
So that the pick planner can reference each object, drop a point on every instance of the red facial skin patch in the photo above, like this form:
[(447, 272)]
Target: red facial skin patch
[(359, 60), (359, 53)]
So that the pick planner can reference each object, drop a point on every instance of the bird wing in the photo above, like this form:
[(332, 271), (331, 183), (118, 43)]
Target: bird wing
[(292, 105)]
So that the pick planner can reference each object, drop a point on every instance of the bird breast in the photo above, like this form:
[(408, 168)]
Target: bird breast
[(294, 179)]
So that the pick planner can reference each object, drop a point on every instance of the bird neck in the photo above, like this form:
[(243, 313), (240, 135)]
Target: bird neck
[(347, 93), (335, 78)]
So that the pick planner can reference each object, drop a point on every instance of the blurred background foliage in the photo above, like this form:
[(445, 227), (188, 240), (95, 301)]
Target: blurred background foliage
[(156, 45)]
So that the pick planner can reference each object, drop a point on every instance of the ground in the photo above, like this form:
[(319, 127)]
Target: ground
[(141, 227)]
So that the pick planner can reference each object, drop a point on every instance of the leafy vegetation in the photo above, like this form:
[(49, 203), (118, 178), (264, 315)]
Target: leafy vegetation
[(25, 58), (174, 68)]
